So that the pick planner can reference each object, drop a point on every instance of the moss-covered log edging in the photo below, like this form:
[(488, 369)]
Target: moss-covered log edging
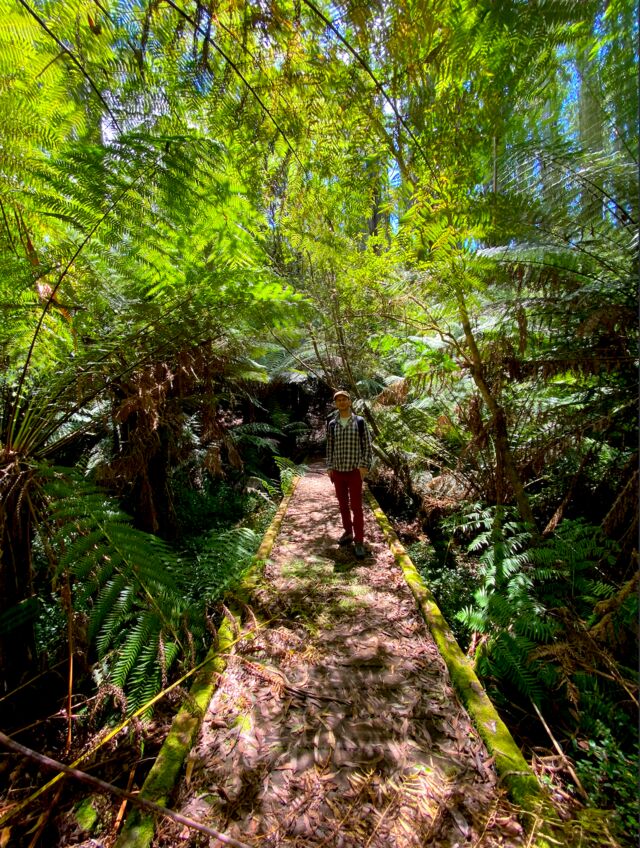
[(139, 827), (512, 768)]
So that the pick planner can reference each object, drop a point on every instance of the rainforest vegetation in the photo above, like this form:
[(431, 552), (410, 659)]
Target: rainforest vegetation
[(212, 214)]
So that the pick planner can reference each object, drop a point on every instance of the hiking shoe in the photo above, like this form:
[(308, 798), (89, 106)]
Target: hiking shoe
[(359, 550), (345, 539)]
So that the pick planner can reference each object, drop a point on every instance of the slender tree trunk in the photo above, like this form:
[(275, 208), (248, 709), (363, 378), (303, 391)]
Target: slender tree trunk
[(505, 462)]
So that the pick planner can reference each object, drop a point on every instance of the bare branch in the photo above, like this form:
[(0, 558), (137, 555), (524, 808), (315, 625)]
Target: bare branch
[(109, 788)]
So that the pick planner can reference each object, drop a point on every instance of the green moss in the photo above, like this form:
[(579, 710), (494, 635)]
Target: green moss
[(347, 605), (86, 814), (138, 831), (243, 722)]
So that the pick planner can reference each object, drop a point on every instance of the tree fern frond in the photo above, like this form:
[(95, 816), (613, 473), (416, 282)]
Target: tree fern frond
[(510, 658), (143, 635), (111, 613)]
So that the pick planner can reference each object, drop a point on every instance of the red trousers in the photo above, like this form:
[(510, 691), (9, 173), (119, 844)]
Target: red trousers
[(349, 493)]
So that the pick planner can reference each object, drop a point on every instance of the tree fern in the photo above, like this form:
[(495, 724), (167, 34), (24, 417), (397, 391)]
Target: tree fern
[(126, 580)]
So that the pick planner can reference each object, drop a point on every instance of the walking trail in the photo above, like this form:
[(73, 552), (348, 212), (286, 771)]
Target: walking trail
[(336, 725)]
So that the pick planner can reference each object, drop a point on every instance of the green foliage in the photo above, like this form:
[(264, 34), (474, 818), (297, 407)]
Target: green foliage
[(51, 629), (212, 504), (436, 210), (220, 563), (522, 586), (450, 577), (288, 472), (128, 582), (578, 555), (609, 775), (146, 606), (530, 644)]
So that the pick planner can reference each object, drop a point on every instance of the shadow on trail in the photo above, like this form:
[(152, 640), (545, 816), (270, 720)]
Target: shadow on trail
[(335, 725)]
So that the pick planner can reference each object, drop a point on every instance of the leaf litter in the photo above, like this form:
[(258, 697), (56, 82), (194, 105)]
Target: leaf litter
[(337, 726)]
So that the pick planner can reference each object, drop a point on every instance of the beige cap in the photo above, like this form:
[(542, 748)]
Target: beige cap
[(341, 392)]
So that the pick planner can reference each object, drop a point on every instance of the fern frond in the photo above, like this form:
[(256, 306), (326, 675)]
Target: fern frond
[(145, 678), (143, 635), (111, 613), (509, 658)]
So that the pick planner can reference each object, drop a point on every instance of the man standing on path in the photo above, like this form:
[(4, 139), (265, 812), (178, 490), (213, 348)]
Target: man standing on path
[(348, 461)]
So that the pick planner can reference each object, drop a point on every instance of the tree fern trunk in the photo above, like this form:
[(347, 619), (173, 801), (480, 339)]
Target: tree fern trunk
[(17, 640)]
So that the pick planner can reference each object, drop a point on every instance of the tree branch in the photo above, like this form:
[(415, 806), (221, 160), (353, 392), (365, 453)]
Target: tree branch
[(379, 87), (109, 788), (237, 71)]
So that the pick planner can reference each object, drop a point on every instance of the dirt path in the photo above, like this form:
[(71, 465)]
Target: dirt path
[(336, 726)]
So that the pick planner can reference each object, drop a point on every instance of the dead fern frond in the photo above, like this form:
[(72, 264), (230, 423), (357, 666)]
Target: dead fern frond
[(606, 631)]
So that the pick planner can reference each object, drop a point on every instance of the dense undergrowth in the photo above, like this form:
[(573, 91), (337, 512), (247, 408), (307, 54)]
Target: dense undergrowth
[(145, 621), (549, 635), (549, 619)]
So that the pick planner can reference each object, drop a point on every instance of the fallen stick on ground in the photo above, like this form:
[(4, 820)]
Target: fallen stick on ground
[(103, 786)]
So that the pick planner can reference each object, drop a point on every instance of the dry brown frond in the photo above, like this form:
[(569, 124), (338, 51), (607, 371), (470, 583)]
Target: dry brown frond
[(606, 630), (393, 395), (108, 690)]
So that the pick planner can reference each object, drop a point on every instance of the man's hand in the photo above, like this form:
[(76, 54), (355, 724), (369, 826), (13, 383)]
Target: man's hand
[(363, 472)]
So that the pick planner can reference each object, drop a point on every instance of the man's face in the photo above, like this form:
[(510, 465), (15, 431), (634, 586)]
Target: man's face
[(343, 404)]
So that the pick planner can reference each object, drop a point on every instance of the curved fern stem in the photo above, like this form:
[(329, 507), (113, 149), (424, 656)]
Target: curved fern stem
[(238, 72), (78, 64)]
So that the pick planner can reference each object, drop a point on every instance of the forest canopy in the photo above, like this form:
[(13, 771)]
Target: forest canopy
[(212, 214)]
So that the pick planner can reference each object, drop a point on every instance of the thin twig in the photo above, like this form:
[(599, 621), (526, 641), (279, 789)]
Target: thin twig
[(123, 805), (565, 759), (103, 786), (75, 61), (235, 68), (379, 87)]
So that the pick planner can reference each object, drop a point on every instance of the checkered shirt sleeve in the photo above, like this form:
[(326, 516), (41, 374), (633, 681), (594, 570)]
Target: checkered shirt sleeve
[(344, 452)]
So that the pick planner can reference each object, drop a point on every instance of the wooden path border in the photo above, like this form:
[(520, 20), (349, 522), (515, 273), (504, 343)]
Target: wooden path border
[(139, 827)]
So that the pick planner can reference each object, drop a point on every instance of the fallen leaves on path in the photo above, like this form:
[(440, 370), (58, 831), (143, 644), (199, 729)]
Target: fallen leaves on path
[(337, 726)]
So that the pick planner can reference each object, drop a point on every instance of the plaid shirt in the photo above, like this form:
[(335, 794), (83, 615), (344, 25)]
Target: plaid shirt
[(344, 451)]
